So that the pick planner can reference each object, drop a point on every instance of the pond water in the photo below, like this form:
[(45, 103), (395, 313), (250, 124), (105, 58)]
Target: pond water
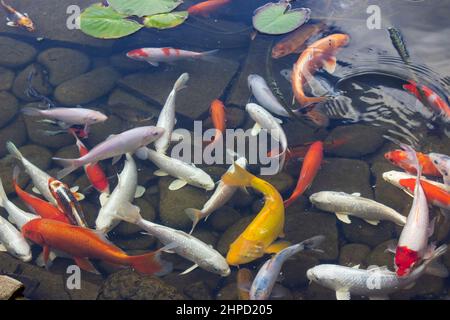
[(367, 107)]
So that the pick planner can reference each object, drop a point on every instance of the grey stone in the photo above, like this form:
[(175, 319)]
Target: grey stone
[(12, 132), (8, 107), (38, 82), (6, 78), (15, 53)]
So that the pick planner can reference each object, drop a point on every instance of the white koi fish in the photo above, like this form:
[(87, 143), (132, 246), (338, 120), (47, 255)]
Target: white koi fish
[(113, 147), (156, 55)]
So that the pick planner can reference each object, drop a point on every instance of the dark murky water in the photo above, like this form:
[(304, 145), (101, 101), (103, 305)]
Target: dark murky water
[(370, 106)]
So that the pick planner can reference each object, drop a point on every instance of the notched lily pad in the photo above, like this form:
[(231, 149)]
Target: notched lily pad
[(278, 18), (166, 20), (143, 8)]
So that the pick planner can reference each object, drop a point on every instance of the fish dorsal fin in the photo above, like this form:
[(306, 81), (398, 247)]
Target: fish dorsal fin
[(356, 267), (342, 216)]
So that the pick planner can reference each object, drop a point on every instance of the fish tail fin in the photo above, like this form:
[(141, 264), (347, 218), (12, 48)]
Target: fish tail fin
[(239, 177), (195, 215), (433, 267), (150, 264), (210, 55), (180, 84), (12, 149), (69, 165), (32, 112)]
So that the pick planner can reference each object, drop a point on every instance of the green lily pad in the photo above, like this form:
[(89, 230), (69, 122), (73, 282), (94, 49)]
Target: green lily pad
[(277, 18), (105, 23), (166, 20), (143, 8)]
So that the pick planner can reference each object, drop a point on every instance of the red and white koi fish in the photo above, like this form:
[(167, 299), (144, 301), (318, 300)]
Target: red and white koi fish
[(17, 19), (94, 172), (401, 159), (205, 8), (442, 163), (433, 99), (156, 55), (413, 244)]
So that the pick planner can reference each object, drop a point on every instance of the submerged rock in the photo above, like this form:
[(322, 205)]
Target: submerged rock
[(86, 87), (101, 131), (294, 270), (8, 107), (198, 291), (362, 232), (39, 82), (231, 234), (6, 78), (130, 285), (9, 287), (15, 53), (353, 254), (63, 64), (12, 132), (223, 218), (381, 257)]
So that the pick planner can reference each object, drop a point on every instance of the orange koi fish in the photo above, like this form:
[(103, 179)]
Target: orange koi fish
[(310, 167), (295, 41), (401, 159), (321, 54), (218, 117), (434, 100), (205, 8), (40, 207), (436, 196), (83, 244)]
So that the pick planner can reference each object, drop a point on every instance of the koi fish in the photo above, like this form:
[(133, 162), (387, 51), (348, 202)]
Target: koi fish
[(413, 243), (401, 159), (268, 274), (94, 172), (40, 178), (40, 207), (295, 41), (67, 117), (321, 54), (345, 205), (185, 245), (244, 282), (394, 178), (113, 147), (219, 118), (123, 194), (442, 163), (83, 244), (220, 197), (166, 118), (433, 99), (259, 236), (16, 19), (12, 241), (346, 281), (205, 8), (154, 56), (310, 167)]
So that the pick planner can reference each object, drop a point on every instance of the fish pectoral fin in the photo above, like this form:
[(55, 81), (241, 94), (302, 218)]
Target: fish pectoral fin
[(329, 65), (195, 266), (169, 247), (342, 295), (155, 64), (431, 227), (372, 222), (116, 159), (378, 298), (437, 269), (104, 197), (175, 137), (391, 248), (278, 120), (160, 173), (177, 185), (343, 216), (3, 248), (51, 257), (140, 190), (410, 286), (256, 129), (35, 190), (85, 265), (11, 24), (74, 189), (46, 255), (277, 247), (79, 196)]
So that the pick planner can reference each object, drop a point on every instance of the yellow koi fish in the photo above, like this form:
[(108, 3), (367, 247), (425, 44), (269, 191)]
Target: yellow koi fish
[(267, 226)]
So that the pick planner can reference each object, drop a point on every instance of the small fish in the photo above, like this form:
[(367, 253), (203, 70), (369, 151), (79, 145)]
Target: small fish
[(33, 93), (67, 117), (399, 44), (321, 54), (401, 159), (83, 244), (17, 19), (268, 274), (154, 56), (310, 168), (377, 283), (219, 118), (94, 172), (413, 243), (265, 120), (15, 214), (265, 97), (205, 8), (113, 147), (166, 118), (12, 241), (295, 41), (40, 207), (442, 163), (184, 172), (40, 178), (345, 205), (68, 202), (438, 104), (221, 196), (123, 195), (185, 245), (260, 235)]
